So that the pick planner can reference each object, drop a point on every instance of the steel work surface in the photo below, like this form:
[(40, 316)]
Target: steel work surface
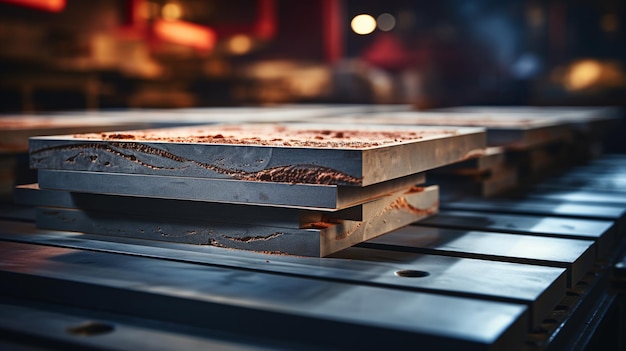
[(530, 206), (538, 287), (604, 233), (431, 287), (578, 256), (258, 304), (264, 153)]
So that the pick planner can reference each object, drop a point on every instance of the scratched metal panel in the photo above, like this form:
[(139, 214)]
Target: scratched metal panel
[(318, 238), (259, 304), (306, 196), (604, 233), (578, 256), (275, 157)]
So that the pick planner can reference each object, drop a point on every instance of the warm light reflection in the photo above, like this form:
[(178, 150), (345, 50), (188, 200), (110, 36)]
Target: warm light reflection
[(386, 22), (363, 24), (583, 74), (171, 11), (240, 44), (46, 5), (185, 33)]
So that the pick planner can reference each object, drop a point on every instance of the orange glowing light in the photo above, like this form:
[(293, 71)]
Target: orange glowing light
[(583, 74), (171, 11), (240, 44), (46, 5), (185, 33)]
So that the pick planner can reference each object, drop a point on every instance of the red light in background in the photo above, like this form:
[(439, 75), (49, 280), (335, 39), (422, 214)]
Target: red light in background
[(46, 5), (265, 26), (185, 33)]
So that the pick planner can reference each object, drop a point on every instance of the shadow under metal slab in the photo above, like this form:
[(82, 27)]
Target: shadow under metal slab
[(258, 304), (317, 239), (604, 233), (489, 185), (391, 153), (306, 196), (577, 256), (538, 287)]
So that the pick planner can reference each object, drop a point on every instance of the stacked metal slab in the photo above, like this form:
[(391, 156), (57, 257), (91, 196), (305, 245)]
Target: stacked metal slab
[(525, 143), (300, 189), (548, 139)]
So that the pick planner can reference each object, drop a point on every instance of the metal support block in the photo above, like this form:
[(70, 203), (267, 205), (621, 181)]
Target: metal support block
[(318, 238), (304, 196)]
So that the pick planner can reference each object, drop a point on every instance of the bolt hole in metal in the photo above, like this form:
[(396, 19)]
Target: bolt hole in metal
[(91, 329), (410, 273)]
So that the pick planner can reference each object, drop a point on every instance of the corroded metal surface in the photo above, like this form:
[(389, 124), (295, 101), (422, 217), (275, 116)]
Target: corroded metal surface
[(297, 153)]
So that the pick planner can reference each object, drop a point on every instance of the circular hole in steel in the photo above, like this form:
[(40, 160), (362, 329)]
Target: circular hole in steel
[(410, 273), (91, 329)]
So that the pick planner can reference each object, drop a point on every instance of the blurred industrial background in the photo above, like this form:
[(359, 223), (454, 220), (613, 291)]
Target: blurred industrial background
[(103, 54)]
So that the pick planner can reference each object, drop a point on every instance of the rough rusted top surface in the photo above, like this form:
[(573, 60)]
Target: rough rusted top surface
[(274, 135)]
